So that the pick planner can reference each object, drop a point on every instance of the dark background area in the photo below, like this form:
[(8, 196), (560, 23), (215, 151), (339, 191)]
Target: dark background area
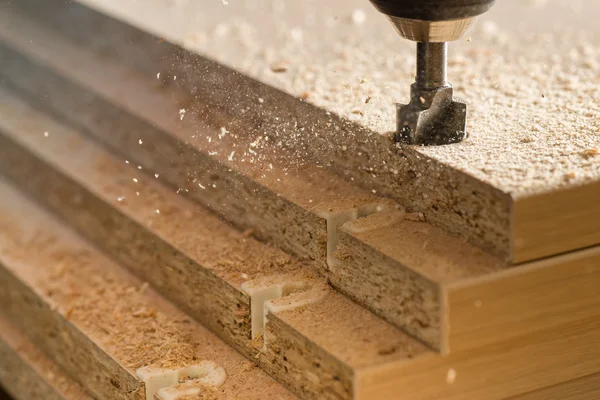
[(4, 395)]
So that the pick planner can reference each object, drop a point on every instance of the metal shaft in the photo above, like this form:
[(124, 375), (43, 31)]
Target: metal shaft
[(431, 65)]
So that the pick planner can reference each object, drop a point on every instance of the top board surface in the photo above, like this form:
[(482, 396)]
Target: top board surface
[(529, 71)]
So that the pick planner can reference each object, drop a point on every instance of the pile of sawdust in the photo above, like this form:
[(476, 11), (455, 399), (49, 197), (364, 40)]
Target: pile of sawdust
[(109, 305)]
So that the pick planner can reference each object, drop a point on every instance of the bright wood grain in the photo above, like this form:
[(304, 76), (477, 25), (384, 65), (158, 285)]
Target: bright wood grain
[(586, 388), (518, 301), (556, 222), (494, 372)]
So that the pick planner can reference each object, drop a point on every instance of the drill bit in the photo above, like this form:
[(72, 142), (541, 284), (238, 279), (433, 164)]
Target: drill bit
[(433, 116)]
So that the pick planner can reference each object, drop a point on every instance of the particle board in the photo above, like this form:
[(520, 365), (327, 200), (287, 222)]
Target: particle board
[(68, 298), (27, 373), (454, 296), (244, 178), (285, 343), (369, 375), (435, 338), (474, 189), (237, 199), (84, 191), (401, 266), (196, 260)]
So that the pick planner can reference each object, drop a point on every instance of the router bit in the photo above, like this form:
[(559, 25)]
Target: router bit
[(433, 116)]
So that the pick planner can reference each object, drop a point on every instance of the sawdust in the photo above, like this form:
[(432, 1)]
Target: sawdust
[(125, 317), (532, 88), (233, 256), (137, 332)]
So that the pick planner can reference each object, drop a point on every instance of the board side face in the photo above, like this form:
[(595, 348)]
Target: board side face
[(585, 388), (530, 362), (556, 222), (524, 299)]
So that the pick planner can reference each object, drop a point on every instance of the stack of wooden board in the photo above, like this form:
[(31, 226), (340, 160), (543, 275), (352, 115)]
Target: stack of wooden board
[(174, 229)]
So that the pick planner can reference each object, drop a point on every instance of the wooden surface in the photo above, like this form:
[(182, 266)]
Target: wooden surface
[(265, 210), (585, 388), (536, 296), (93, 168), (497, 371), (575, 222), (548, 145), (82, 106)]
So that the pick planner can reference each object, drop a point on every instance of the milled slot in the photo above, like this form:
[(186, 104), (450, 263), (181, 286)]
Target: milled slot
[(336, 219), (174, 393), (205, 373), (262, 291)]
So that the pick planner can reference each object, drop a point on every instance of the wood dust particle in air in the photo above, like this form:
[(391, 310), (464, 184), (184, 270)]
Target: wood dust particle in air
[(359, 17), (451, 376), (279, 68)]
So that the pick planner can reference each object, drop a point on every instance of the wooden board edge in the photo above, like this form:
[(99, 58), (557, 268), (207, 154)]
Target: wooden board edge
[(556, 222), (494, 372), (585, 388), (545, 293)]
